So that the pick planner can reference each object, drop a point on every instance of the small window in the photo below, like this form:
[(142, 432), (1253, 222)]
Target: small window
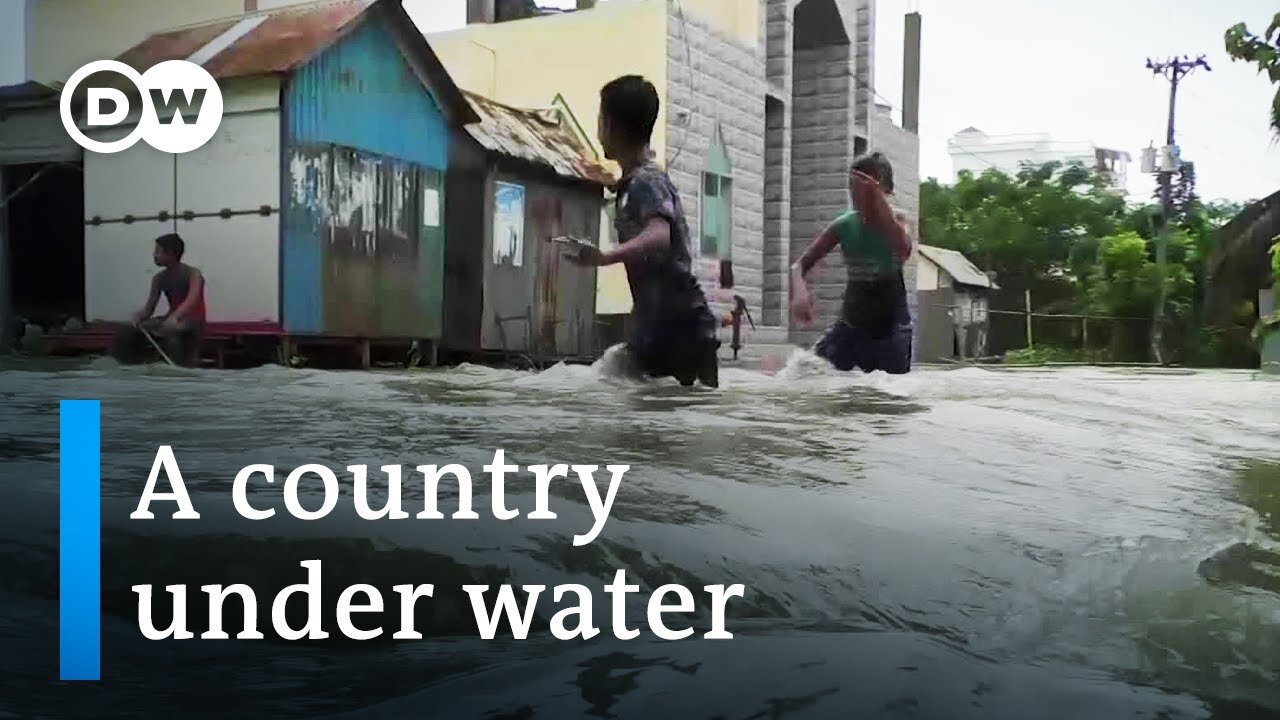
[(716, 218), (717, 201)]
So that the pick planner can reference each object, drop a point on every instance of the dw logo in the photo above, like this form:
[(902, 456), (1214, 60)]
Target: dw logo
[(181, 107)]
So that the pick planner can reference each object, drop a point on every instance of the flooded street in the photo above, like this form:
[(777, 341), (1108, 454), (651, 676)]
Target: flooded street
[(966, 543)]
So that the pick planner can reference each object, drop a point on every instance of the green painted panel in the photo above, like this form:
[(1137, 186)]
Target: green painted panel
[(396, 251), (431, 265), (718, 157), (717, 218), (349, 266), (384, 263), (725, 205)]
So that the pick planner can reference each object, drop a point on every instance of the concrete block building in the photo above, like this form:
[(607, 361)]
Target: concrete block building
[(764, 105)]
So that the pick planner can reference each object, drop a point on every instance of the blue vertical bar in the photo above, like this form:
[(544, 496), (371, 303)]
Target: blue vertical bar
[(80, 540)]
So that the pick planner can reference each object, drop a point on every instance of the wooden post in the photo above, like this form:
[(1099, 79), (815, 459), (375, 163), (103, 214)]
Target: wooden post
[(1028, 296), (7, 324), (1084, 332), (366, 354)]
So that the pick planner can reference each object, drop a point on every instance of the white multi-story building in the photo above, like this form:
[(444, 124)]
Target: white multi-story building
[(975, 151)]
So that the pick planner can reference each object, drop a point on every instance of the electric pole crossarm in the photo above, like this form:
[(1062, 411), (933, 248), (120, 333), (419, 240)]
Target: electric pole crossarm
[(1174, 70)]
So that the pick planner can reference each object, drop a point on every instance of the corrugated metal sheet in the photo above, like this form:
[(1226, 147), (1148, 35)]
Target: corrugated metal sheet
[(361, 93), (397, 252), (364, 246), (27, 92), (282, 40), (544, 306), (287, 38), (543, 137), (957, 265), (177, 44), (349, 266), (306, 232)]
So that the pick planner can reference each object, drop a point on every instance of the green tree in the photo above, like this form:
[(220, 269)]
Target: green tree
[(1060, 232), (1263, 51), (1125, 281), (1034, 230)]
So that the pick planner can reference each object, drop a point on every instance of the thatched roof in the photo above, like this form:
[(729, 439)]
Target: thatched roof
[(1240, 263)]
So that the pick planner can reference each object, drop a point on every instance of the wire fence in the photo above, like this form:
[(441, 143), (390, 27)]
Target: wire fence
[(980, 333)]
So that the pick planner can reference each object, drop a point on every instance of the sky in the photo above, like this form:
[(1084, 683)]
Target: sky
[(1076, 70)]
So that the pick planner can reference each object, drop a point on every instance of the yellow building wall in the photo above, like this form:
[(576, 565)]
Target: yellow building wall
[(66, 34), (739, 19), (526, 63)]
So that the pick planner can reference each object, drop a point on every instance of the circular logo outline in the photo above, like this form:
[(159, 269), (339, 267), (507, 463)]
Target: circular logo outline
[(73, 129), (213, 100)]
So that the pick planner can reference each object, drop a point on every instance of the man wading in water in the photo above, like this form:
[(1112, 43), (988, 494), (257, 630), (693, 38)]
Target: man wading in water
[(674, 332), (874, 329), (181, 329)]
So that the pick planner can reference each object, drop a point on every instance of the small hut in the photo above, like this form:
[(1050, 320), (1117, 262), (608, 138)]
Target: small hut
[(316, 211), (952, 306), (521, 178)]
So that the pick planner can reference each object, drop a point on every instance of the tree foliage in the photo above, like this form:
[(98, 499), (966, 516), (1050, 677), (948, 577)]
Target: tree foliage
[(1263, 51), (1060, 232), (1034, 230)]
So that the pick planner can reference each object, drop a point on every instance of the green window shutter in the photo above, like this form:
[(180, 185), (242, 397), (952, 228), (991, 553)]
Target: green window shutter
[(711, 215), (717, 201), (725, 248)]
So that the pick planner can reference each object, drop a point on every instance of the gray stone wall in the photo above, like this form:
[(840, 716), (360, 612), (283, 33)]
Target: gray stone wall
[(903, 149), (864, 34), (779, 26), (821, 149), (714, 81), (793, 112)]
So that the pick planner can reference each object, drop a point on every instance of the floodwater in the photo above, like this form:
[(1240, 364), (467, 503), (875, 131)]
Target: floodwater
[(1068, 543)]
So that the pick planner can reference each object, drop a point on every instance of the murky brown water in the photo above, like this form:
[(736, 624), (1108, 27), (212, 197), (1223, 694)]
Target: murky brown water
[(968, 543)]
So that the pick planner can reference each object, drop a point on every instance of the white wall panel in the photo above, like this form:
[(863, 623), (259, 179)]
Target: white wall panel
[(118, 264)]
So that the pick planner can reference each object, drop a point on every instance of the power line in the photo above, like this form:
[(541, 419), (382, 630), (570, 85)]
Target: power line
[(1174, 70)]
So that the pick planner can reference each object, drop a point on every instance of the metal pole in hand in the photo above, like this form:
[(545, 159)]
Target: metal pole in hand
[(154, 344)]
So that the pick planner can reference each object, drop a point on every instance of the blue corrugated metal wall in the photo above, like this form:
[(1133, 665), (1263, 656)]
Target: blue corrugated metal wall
[(361, 93), (306, 228)]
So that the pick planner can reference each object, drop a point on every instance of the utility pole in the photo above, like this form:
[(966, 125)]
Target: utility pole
[(1174, 70)]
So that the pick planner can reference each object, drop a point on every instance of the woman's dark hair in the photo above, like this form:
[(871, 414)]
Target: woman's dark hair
[(631, 105), (172, 244), (875, 164)]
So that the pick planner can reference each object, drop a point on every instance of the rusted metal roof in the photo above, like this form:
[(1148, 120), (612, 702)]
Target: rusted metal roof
[(278, 40), (28, 93), (543, 137), (284, 39), (957, 266), (173, 45)]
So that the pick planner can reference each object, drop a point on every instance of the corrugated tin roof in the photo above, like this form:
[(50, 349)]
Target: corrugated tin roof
[(957, 266), (281, 40), (544, 137), (284, 39), (287, 39), (173, 45), (28, 93)]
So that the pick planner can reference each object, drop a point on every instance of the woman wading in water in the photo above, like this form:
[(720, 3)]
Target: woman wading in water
[(873, 331)]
